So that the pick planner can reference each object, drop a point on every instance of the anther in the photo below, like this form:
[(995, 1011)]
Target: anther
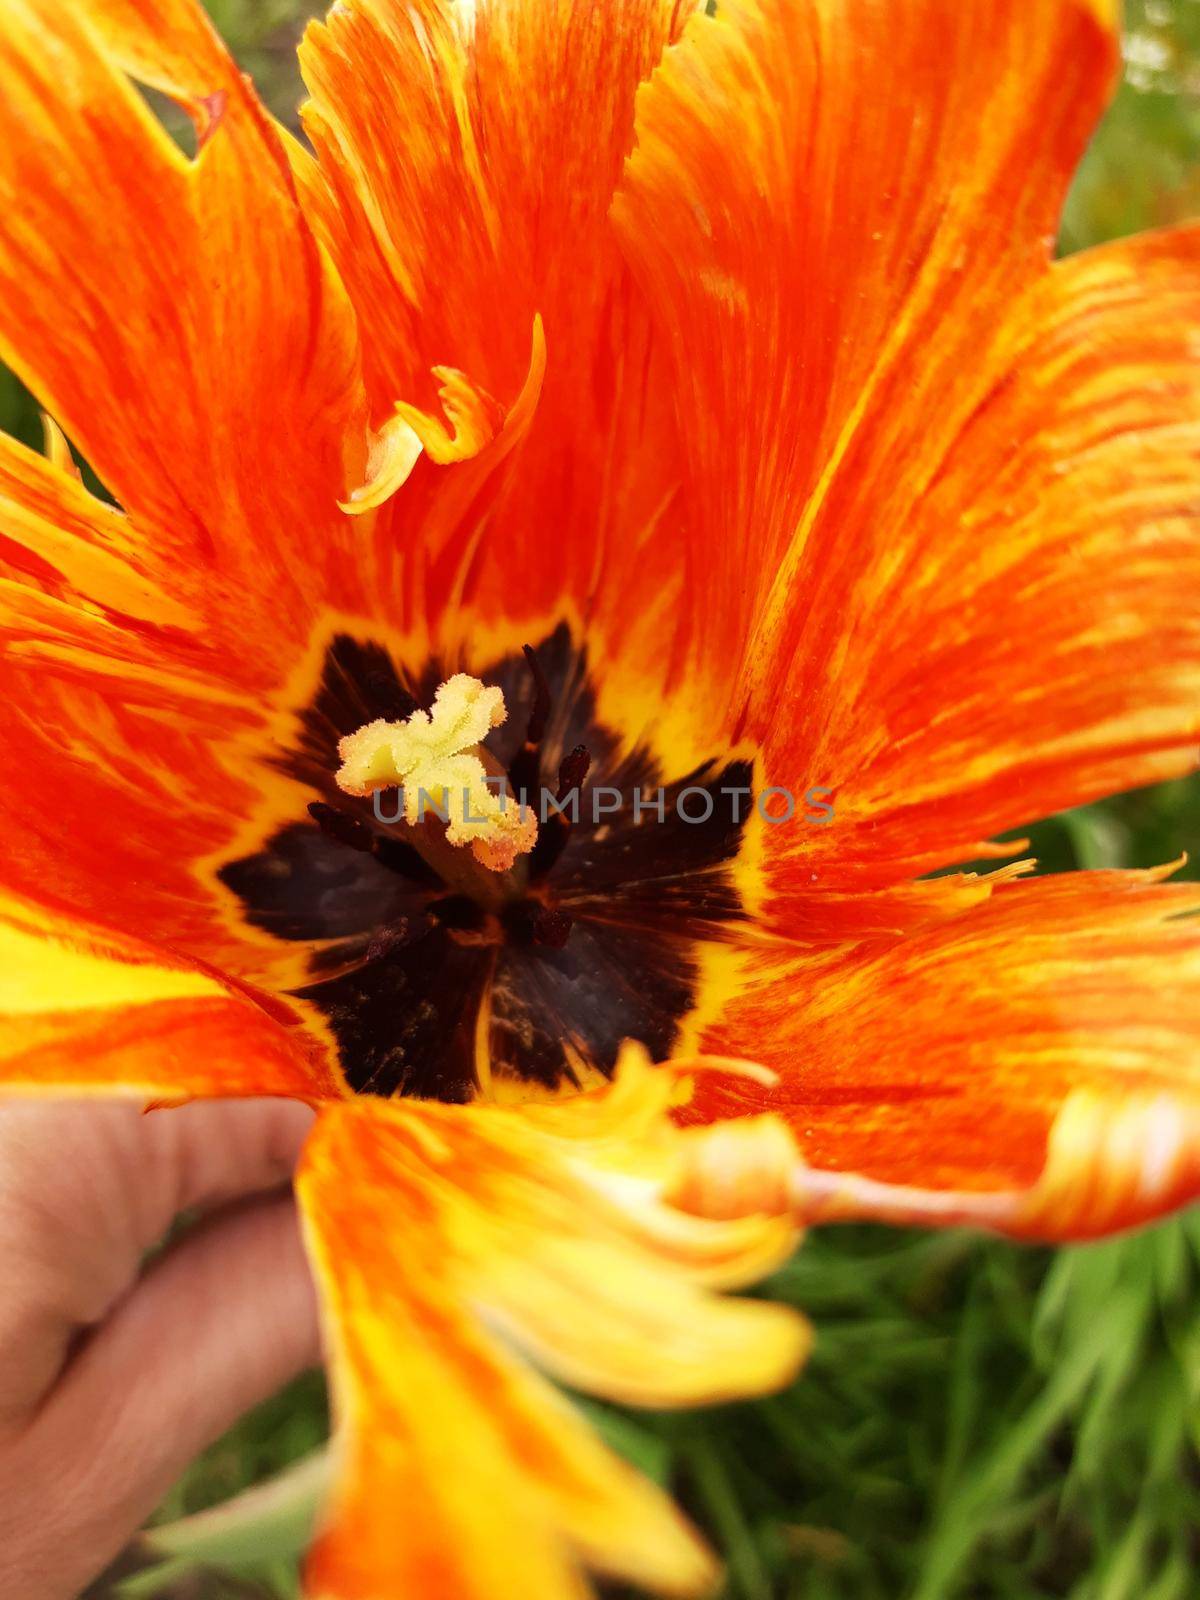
[(355, 834), (540, 713), (524, 775), (556, 830), (388, 940), (342, 827), (573, 769), (388, 697)]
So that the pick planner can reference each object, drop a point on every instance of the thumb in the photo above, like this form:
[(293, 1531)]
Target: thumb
[(86, 1188), (217, 1325)]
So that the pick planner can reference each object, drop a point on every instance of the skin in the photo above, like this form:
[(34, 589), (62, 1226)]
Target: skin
[(115, 1373)]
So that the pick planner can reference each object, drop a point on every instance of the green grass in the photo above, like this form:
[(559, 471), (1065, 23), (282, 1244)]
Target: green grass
[(979, 1421)]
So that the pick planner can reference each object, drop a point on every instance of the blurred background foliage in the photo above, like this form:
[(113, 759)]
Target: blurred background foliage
[(979, 1421)]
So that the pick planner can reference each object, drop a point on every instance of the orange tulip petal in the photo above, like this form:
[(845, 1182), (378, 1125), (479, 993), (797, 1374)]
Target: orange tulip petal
[(57, 536), (117, 711), (126, 749), (170, 45), (83, 1010), (829, 200), (452, 1244), (468, 157), (891, 383), (1111, 1163), (468, 198), (910, 441), (1021, 637), (1030, 1065), (217, 404)]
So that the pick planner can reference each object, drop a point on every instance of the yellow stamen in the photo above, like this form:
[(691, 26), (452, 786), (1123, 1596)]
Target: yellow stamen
[(435, 758)]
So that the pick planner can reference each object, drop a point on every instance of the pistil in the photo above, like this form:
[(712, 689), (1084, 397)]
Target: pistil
[(438, 762)]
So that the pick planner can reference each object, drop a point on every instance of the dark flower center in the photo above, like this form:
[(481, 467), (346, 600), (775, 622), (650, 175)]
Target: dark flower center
[(522, 981)]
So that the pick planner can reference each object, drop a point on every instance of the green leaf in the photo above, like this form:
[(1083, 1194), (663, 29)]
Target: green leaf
[(268, 1524)]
